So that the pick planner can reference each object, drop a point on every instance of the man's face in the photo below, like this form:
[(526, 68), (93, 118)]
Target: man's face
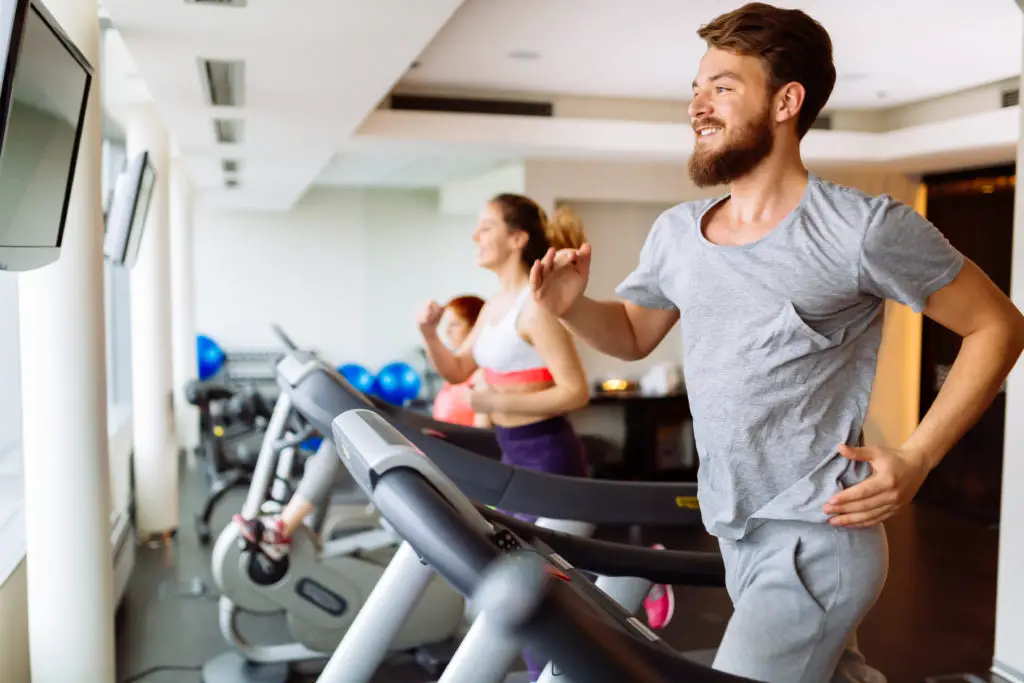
[(732, 118)]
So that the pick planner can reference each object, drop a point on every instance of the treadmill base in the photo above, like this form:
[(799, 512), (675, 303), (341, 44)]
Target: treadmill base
[(231, 667)]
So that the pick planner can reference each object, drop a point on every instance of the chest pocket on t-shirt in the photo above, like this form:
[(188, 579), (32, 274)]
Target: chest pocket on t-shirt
[(793, 319), (787, 338)]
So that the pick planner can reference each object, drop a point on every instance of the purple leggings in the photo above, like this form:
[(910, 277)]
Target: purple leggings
[(550, 446)]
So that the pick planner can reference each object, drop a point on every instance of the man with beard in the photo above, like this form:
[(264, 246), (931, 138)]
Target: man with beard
[(779, 287)]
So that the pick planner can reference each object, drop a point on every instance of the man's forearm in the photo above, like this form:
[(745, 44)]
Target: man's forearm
[(604, 326), (981, 366)]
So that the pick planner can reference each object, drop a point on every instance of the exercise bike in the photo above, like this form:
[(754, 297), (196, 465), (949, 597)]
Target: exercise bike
[(232, 418), (320, 585), (229, 418)]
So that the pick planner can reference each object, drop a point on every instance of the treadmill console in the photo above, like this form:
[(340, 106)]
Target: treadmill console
[(295, 366), (369, 447)]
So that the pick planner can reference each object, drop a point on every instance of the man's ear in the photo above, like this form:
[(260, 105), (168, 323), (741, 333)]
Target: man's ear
[(788, 102)]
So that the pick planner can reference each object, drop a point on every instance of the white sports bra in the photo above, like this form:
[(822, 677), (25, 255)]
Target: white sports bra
[(504, 355)]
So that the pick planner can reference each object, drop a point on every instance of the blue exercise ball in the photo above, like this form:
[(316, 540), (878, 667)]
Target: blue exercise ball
[(312, 444), (358, 376), (397, 383), (211, 357)]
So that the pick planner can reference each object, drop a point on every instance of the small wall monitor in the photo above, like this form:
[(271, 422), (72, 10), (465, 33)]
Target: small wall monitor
[(129, 206), (43, 98)]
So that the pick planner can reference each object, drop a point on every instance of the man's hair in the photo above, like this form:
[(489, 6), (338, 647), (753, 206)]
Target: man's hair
[(793, 47)]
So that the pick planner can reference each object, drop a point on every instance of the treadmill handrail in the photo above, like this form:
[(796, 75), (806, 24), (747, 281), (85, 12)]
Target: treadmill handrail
[(564, 628), (285, 340), (517, 595), (321, 394), (607, 558), (457, 551)]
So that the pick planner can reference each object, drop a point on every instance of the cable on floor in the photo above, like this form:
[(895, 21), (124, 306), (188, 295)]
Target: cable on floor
[(157, 669)]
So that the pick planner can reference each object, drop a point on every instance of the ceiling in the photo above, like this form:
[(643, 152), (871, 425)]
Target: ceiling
[(408, 165), (315, 69), (887, 52)]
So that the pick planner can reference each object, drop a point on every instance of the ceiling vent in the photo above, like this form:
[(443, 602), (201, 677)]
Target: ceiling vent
[(223, 82), (467, 105), (230, 167), (228, 131), (1011, 98), (218, 3)]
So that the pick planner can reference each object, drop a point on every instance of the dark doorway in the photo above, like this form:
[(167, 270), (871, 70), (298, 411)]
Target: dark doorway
[(974, 210)]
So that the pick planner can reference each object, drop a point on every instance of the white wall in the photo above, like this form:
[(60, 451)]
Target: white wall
[(344, 272), (414, 254), (10, 369), (303, 270), (464, 197)]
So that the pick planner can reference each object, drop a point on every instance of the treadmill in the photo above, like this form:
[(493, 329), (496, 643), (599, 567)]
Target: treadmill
[(319, 393), (524, 591)]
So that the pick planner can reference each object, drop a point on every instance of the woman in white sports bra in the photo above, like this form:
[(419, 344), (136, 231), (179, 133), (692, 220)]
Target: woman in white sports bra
[(532, 374), (530, 370)]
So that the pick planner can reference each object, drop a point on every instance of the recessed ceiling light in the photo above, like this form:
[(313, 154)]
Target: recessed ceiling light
[(524, 55)]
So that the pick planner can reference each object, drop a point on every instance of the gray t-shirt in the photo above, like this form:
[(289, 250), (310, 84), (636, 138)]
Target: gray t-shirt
[(780, 341)]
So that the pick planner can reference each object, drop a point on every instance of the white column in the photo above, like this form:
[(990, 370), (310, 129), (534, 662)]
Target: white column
[(1009, 656), (156, 453), (183, 328), (63, 384)]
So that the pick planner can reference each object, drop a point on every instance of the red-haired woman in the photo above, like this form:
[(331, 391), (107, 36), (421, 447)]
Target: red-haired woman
[(459, 317)]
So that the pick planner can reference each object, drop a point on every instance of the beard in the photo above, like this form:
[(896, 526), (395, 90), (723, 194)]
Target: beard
[(747, 148)]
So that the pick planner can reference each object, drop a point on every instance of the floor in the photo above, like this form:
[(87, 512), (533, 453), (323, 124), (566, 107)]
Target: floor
[(935, 617)]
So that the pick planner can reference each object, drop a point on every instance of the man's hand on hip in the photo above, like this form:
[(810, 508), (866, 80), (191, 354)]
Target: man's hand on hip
[(894, 481)]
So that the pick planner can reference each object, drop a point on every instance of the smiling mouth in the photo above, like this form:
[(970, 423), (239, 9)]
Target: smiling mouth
[(706, 132)]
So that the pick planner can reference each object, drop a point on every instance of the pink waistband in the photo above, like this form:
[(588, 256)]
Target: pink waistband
[(531, 376)]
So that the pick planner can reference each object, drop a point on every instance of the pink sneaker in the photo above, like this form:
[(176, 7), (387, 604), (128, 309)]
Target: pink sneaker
[(660, 603), (267, 532)]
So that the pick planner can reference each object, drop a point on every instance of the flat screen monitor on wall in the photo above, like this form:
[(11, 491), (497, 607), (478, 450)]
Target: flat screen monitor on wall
[(129, 206), (43, 98)]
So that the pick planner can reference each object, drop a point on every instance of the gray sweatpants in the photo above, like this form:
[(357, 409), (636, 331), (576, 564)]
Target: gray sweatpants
[(799, 592), (320, 474)]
